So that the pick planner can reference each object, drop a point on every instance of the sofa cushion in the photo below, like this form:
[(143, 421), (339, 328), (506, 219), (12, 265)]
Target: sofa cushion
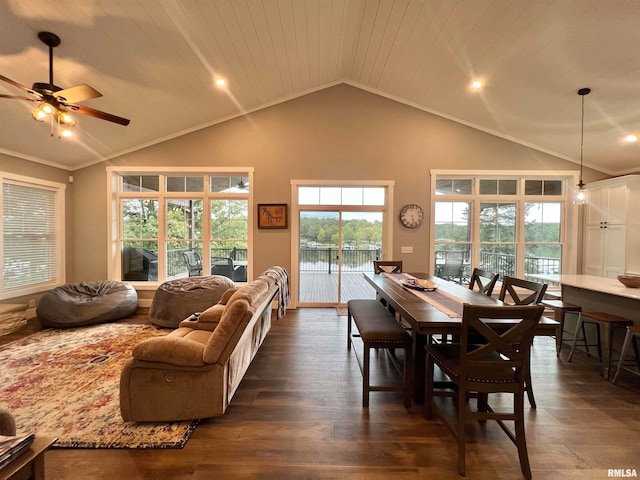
[(211, 314), (172, 350), (226, 296), (252, 292), (230, 328)]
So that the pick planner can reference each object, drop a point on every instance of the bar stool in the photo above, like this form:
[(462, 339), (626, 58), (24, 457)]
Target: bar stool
[(560, 309), (606, 322), (632, 333)]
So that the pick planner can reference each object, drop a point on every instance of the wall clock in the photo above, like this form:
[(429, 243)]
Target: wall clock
[(411, 215)]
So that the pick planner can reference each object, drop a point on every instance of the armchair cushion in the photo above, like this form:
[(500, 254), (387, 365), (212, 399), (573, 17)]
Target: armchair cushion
[(173, 350), (211, 314), (227, 295), (232, 324)]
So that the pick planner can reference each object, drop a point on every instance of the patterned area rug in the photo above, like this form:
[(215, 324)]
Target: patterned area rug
[(66, 384)]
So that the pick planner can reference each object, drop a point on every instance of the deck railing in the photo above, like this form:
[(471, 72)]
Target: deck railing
[(177, 266), (326, 260), (361, 260), (506, 264)]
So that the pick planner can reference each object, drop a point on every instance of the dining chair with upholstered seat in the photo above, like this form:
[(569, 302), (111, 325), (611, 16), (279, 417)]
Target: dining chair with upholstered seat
[(516, 291), (499, 364), (387, 266), (484, 280)]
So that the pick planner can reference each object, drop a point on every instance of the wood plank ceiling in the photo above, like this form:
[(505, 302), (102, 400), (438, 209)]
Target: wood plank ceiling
[(156, 62)]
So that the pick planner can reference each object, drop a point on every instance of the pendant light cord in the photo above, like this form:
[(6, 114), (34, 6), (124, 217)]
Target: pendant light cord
[(582, 92), (581, 138)]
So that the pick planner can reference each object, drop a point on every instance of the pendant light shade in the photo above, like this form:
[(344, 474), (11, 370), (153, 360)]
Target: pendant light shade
[(580, 194)]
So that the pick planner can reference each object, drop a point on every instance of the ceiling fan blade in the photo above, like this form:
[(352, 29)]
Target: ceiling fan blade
[(29, 99), (98, 114), (76, 94), (19, 85)]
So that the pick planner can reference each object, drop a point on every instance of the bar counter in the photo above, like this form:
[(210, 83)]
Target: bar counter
[(598, 294)]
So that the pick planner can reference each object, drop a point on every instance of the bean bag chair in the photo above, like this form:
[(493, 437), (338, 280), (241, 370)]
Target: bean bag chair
[(86, 303), (176, 299)]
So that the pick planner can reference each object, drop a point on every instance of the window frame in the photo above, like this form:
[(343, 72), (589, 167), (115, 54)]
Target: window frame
[(569, 212), (59, 270), (115, 193)]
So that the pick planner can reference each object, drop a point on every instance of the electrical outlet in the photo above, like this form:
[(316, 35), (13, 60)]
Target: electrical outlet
[(32, 303)]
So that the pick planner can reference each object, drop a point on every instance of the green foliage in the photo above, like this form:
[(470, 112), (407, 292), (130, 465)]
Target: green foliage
[(360, 233), (229, 225)]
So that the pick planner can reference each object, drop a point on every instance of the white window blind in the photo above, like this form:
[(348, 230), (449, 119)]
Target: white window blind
[(32, 234)]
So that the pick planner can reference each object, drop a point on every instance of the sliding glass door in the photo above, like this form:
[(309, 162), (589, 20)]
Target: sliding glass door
[(335, 248), (340, 232)]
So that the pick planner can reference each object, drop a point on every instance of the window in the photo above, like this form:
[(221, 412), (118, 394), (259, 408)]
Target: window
[(511, 225), (32, 235), (180, 223)]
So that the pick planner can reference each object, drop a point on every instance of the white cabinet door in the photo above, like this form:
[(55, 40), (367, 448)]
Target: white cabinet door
[(614, 250), (593, 250), (617, 205), (596, 206)]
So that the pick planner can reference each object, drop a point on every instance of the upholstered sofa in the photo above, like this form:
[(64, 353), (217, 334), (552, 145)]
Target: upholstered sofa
[(194, 371)]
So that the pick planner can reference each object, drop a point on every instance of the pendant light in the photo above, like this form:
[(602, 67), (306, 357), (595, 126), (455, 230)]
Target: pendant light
[(580, 196)]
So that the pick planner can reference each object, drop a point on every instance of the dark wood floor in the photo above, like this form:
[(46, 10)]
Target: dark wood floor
[(298, 415)]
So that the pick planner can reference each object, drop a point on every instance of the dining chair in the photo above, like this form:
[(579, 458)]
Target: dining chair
[(516, 291), (484, 280), (498, 365), (387, 266)]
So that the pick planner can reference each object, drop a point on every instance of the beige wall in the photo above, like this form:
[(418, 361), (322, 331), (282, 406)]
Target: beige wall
[(340, 133)]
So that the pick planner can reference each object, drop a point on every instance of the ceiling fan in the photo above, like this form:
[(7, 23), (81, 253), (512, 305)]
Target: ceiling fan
[(55, 103)]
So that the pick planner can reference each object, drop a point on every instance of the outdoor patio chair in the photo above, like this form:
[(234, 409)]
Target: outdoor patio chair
[(453, 267), (194, 263)]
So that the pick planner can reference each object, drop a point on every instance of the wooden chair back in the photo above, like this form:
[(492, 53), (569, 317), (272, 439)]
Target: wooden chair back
[(387, 266), (499, 363), (484, 280), (516, 291)]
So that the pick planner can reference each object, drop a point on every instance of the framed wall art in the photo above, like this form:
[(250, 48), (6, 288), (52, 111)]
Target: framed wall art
[(272, 215)]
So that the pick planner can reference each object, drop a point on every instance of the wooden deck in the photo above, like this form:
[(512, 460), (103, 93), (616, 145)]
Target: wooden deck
[(322, 287)]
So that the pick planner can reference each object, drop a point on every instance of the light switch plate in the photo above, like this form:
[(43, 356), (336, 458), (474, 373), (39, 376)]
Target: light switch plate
[(406, 249)]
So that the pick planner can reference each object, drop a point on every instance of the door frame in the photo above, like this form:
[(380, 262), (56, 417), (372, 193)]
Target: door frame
[(387, 221)]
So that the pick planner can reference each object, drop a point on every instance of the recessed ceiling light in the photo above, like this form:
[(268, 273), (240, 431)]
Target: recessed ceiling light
[(220, 82), (477, 84), (631, 138)]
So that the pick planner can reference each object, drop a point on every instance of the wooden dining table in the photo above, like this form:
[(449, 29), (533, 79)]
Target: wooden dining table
[(427, 319)]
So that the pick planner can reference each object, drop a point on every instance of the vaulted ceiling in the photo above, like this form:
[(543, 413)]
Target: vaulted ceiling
[(156, 62)]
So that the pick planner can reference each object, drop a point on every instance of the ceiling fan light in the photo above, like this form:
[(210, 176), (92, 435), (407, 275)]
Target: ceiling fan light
[(40, 113), (46, 108), (66, 133), (67, 119)]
